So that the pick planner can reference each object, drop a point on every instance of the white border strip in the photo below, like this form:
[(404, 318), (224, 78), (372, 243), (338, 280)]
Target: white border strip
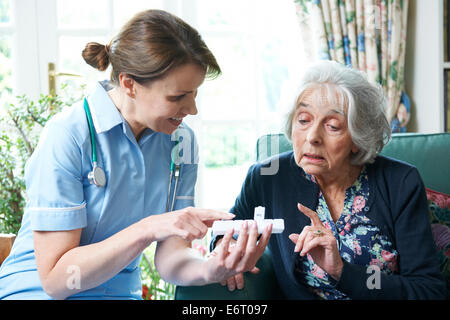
[(81, 206), (184, 197)]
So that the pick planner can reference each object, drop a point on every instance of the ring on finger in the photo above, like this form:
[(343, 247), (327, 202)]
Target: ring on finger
[(211, 254), (318, 233)]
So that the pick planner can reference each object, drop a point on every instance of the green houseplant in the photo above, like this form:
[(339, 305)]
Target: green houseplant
[(20, 127)]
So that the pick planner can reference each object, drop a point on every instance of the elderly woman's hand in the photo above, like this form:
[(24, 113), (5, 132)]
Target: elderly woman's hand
[(320, 243), (236, 281), (227, 265)]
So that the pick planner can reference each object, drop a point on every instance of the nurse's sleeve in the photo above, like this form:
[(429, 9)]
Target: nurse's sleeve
[(54, 182)]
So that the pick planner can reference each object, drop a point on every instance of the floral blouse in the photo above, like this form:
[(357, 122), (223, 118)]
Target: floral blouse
[(359, 240)]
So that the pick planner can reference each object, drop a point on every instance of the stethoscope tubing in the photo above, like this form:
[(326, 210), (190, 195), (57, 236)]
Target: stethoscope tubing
[(174, 193), (91, 131), (168, 191), (173, 169)]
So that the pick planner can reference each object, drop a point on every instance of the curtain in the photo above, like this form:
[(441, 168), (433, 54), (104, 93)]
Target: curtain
[(369, 35)]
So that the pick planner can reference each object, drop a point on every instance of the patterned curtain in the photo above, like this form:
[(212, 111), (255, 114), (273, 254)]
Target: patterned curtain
[(369, 35)]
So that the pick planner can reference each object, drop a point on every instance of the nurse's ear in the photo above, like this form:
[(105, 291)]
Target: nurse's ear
[(128, 85)]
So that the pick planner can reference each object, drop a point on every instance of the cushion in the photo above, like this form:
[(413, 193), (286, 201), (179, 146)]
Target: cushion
[(439, 209), (442, 200)]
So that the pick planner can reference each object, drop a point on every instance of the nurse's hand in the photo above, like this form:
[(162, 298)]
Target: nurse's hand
[(189, 223), (227, 264)]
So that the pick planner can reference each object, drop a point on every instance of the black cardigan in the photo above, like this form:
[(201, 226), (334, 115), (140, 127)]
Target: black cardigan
[(397, 205)]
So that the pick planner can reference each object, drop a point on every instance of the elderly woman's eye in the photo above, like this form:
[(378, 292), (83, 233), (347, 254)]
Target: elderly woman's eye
[(333, 128), (303, 121)]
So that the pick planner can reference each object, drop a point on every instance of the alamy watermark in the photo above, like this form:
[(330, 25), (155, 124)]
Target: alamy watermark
[(73, 282), (185, 150), (374, 280), (373, 14)]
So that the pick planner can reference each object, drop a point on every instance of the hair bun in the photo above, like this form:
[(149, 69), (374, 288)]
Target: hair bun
[(96, 55)]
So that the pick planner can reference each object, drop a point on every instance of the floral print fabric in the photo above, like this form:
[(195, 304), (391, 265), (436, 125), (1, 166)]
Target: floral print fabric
[(359, 240)]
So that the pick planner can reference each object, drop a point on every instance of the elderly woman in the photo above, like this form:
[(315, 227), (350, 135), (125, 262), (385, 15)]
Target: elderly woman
[(356, 223)]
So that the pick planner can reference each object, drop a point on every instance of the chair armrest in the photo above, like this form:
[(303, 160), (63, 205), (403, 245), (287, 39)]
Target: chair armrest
[(6, 243)]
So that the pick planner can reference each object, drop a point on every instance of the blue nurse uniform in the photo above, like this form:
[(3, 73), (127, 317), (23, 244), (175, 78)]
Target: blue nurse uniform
[(60, 196)]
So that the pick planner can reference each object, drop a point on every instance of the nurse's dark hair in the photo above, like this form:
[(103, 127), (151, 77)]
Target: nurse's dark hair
[(148, 46)]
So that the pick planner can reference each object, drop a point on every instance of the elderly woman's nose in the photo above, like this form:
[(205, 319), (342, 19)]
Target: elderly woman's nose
[(314, 134)]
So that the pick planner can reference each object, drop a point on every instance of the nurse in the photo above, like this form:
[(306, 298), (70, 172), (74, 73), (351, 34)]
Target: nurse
[(82, 238)]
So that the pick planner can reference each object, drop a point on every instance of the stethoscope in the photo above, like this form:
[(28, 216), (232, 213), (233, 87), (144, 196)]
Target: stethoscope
[(97, 175), (174, 174)]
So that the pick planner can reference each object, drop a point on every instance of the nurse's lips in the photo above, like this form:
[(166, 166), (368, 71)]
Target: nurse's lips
[(315, 158), (175, 121)]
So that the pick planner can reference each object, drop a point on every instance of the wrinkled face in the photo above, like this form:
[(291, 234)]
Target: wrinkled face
[(162, 105), (321, 140)]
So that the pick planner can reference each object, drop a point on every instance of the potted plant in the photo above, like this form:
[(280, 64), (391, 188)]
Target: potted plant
[(20, 127)]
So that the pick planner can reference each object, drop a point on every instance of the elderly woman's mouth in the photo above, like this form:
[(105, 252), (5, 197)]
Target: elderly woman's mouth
[(313, 157)]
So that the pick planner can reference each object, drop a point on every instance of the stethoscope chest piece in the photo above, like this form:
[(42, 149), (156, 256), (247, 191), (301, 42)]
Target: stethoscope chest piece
[(97, 176)]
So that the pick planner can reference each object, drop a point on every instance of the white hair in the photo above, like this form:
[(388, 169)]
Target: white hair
[(366, 102)]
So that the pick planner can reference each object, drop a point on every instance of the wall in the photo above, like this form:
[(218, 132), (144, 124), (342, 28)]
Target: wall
[(423, 65)]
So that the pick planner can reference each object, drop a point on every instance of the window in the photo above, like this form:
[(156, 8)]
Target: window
[(6, 37), (257, 45), (83, 21)]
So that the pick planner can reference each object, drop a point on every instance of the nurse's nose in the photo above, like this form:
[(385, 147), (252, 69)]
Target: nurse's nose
[(190, 107)]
